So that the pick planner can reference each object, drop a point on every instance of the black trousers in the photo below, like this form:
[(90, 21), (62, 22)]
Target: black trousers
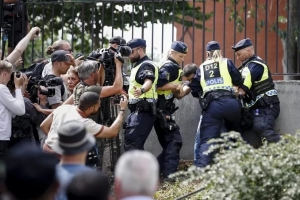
[(139, 126), (264, 122), (4, 148), (171, 143)]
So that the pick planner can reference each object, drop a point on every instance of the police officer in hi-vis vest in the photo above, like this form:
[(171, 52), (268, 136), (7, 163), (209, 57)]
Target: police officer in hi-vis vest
[(217, 99), (167, 131), (142, 96), (258, 90)]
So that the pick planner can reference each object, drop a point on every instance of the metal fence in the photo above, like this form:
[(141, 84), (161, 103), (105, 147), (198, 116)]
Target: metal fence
[(273, 26)]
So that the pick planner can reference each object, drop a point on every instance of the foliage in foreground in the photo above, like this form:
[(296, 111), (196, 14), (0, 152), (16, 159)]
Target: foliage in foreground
[(242, 172)]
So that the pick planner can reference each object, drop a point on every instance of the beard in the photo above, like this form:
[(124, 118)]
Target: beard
[(94, 112), (134, 60)]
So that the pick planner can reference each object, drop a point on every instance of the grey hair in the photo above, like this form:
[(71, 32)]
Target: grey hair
[(137, 171), (86, 68)]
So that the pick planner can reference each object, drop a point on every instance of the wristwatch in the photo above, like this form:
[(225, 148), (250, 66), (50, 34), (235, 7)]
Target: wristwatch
[(142, 90)]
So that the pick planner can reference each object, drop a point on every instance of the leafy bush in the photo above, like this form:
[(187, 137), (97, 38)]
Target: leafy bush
[(242, 172)]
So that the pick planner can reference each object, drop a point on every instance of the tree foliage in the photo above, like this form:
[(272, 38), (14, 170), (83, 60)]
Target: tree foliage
[(84, 22)]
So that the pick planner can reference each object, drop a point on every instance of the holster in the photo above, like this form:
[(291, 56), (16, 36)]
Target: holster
[(205, 101), (144, 106), (166, 121), (266, 101)]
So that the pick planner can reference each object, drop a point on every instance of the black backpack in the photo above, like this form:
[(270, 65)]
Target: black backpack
[(35, 70), (21, 129)]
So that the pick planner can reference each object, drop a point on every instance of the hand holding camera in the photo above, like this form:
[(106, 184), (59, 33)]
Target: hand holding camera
[(118, 60), (19, 78), (123, 102)]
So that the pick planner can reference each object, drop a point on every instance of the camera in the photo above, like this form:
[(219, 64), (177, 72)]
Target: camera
[(108, 55), (44, 87), (116, 99), (8, 7)]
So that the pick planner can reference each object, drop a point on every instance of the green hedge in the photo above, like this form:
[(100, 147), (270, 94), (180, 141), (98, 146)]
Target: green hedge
[(242, 172)]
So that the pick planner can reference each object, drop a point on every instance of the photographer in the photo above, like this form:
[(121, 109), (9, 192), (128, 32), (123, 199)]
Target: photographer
[(14, 11), (57, 45), (89, 104), (9, 106), (114, 44), (61, 62), (88, 74)]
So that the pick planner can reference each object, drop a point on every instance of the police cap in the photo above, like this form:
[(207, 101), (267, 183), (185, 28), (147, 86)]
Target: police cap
[(179, 47), (117, 40), (242, 44), (212, 45), (137, 42)]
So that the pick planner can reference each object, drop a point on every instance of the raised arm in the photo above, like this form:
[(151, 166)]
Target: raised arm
[(22, 45), (116, 88)]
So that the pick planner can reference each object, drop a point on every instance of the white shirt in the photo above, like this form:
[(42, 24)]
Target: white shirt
[(65, 113), (9, 108), (47, 69)]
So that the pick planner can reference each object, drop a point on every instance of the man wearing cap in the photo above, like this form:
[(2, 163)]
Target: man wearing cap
[(117, 41), (258, 90), (73, 145), (218, 101), (167, 131), (142, 96), (61, 62)]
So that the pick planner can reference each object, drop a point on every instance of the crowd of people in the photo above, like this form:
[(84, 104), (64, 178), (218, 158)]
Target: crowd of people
[(58, 110)]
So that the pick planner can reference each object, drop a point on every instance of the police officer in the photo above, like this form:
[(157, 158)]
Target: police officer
[(142, 96), (218, 101), (167, 131), (258, 90)]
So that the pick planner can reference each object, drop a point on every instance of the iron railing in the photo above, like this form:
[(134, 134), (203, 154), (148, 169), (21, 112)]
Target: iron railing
[(271, 24)]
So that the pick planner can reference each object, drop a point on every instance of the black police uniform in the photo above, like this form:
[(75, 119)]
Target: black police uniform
[(140, 122), (221, 107), (166, 129), (261, 97)]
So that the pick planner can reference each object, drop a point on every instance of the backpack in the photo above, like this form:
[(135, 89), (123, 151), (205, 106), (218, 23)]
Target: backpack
[(35, 70), (20, 129)]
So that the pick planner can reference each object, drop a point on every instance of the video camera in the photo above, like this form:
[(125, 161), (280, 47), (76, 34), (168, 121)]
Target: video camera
[(106, 57), (45, 87)]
